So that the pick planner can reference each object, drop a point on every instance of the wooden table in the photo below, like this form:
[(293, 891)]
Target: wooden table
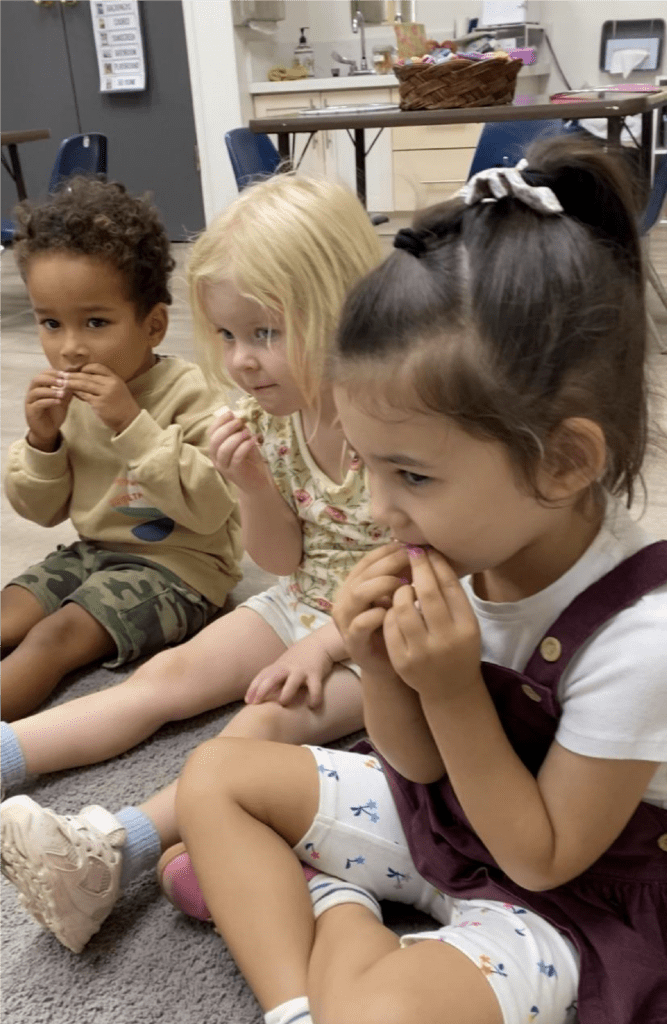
[(12, 141), (612, 106)]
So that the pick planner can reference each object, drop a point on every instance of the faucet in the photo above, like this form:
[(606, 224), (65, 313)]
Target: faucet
[(359, 25), (354, 70)]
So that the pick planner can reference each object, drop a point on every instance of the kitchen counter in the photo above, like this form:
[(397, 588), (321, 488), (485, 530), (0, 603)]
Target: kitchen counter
[(346, 82), (330, 83)]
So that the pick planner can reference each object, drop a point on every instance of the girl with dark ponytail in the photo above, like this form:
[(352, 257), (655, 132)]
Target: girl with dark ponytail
[(512, 640)]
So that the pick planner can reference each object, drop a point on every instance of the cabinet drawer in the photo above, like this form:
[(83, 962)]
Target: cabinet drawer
[(270, 105), (436, 136), (428, 176)]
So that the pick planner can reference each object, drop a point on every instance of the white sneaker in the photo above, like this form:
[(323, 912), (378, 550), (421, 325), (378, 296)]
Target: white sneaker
[(66, 868)]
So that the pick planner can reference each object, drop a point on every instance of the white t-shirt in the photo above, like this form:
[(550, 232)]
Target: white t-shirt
[(614, 691)]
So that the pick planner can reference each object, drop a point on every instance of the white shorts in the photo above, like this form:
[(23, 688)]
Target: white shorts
[(292, 620), (357, 835)]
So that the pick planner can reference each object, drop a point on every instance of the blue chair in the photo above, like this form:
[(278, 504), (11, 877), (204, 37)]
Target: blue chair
[(8, 229), (79, 154), (252, 154), (503, 143), (254, 157)]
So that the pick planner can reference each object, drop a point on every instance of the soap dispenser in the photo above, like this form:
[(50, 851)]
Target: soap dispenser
[(303, 53)]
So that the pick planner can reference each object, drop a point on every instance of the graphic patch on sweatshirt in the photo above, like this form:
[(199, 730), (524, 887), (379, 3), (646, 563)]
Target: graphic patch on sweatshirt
[(156, 526)]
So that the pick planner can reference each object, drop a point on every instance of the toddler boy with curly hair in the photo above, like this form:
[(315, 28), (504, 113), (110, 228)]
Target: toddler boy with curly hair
[(116, 442)]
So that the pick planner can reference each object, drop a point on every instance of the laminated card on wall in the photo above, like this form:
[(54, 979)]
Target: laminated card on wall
[(119, 46)]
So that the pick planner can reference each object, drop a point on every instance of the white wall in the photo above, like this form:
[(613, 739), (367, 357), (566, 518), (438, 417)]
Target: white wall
[(224, 60), (330, 28), (575, 30), (209, 35)]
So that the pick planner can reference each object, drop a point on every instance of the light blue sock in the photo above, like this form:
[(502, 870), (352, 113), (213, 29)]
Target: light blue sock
[(142, 847), (12, 761)]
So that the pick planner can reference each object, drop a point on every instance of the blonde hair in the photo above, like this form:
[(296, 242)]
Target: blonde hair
[(295, 245)]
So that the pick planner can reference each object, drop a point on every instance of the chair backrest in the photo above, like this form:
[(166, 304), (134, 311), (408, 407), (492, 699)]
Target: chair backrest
[(655, 199), (503, 143), (252, 154), (80, 154)]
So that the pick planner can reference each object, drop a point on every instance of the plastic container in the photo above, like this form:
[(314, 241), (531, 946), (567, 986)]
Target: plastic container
[(303, 53), (383, 59)]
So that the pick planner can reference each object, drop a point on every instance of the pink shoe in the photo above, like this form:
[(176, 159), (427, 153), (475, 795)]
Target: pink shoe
[(179, 883)]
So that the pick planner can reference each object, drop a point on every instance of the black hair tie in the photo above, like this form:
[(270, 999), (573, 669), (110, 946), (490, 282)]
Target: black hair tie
[(538, 179), (409, 240)]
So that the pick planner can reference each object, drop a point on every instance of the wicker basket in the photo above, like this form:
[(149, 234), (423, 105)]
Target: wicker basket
[(457, 83)]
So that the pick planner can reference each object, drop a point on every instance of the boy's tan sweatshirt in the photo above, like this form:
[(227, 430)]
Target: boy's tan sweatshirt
[(150, 490)]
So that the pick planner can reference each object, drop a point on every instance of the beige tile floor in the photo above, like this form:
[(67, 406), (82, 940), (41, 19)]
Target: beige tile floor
[(21, 358)]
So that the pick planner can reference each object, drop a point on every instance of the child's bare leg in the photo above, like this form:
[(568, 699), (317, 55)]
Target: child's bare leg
[(130, 840), (358, 972), (339, 715), (20, 611), (243, 805), (214, 668), (57, 644)]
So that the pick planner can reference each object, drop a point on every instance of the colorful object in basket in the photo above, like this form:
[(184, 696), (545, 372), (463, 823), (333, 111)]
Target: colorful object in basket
[(525, 53), (411, 40), (446, 44)]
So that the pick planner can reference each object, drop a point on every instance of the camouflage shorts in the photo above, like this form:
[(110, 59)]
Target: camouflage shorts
[(141, 604)]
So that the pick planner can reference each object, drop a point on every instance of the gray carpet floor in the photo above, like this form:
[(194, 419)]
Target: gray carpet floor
[(148, 963)]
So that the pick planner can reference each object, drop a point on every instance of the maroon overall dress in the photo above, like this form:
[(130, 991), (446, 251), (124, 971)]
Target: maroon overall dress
[(616, 911)]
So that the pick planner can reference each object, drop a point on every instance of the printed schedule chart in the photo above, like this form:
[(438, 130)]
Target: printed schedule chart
[(119, 46)]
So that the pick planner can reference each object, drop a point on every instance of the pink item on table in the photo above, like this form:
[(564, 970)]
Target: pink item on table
[(524, 53), (584, 95)]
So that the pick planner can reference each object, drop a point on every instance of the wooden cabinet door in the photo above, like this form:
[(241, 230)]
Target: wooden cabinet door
[(426, 176)]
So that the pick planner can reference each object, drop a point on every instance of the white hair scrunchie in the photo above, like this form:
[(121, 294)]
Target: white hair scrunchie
[(497, 182)]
